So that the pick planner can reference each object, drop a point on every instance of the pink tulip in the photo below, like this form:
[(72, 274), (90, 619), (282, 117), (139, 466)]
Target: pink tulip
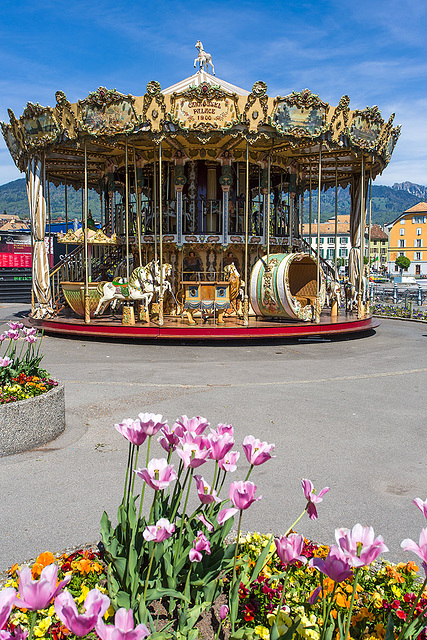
[(13, 335), (162, 530), (158, 474), (289, 548), (18, 634), (196, 425), (189, 437), (168, 439), (422, 506), (38, 594), (2, 337), (122, 629), (223, 428), (30, 332), (242, 495), (312, 498), (420, 550), (223, 612), (95, 604), (314, 596), (151, 423), (192, 455), (257, 452), (15, 325), (201, 543), (5, 362), (30, 339), (360, 545), (229, 462), (7, 598), (206, 494), (336, 565), (204, 521), (132, 431), (220, 445)]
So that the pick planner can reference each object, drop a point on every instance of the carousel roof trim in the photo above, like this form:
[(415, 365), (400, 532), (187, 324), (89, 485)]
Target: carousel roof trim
[(202, 77)]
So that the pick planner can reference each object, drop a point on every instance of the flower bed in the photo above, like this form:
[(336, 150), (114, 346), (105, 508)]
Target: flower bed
[(397, 311), (164, 571)]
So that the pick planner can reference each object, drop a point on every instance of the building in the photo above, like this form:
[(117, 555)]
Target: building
[(378, 250), (408, 237), (327, 238)]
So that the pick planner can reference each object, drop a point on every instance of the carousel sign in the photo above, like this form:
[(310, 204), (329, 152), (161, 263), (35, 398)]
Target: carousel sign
[(205, 107)]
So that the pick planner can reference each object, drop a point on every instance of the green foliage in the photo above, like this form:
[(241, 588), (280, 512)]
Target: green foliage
[(403, 262)]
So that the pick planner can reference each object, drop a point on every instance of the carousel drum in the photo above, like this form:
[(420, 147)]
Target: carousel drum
[(287, 288)]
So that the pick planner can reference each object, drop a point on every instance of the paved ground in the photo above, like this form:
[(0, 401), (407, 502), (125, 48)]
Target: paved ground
[(349, 414)]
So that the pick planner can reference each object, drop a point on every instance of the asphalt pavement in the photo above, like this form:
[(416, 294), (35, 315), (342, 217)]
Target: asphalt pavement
[(348, 414)]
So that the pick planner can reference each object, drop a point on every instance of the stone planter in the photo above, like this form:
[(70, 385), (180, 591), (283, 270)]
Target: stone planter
[(27, 424)]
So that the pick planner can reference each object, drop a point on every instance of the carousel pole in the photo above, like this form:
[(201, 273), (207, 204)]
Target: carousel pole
[(127, 210), (319, 187), (86, 253), (66, 214), (301, 221), (49, 218), (336, 216), (267, 222), (154, 218), (369, 237), (138, 208), (309, 212), (160, 236), (362, 241), (247, 283)]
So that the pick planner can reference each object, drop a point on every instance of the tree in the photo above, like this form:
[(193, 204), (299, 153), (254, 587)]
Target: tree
[(403, 263)]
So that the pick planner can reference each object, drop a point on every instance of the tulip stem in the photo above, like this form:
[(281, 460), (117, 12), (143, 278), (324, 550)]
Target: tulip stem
[(134, 469), (328, 608), (353, 595), (237, 548), (279, 608), (127, 473), (130, 479), (32, 625), (294, 523), (215, 474), (144, 485), (148, 575), (191, 471), (249, 472)]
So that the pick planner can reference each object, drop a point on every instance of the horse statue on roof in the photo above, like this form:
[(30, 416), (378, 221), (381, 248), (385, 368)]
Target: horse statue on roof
[(204, 58)]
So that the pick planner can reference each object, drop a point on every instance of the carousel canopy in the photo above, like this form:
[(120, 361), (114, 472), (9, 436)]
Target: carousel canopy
[(201, 117)]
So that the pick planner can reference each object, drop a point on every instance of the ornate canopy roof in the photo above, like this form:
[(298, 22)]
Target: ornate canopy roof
[(201, 117)]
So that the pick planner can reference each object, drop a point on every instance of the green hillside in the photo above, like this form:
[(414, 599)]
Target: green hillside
[(387, 202)]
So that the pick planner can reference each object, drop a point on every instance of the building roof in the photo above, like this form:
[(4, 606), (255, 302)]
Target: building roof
[(15, 226), (327, 228), (418, 208), (377, 233), (200, 78), (344, 218)]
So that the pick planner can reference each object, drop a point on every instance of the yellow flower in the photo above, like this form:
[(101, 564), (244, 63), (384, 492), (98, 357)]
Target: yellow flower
[(262, 632), (42, 627), (84, 592), (377, 600), (110, 612)]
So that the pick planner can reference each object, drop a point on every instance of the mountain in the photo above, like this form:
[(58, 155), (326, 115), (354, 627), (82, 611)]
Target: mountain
[(416, 189), (387, 202), (13, 200)]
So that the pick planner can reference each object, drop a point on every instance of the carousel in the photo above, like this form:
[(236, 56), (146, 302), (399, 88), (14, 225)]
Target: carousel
[(203, 188)]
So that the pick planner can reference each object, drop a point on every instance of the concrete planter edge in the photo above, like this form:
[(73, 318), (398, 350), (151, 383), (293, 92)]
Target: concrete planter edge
[(28, 424)]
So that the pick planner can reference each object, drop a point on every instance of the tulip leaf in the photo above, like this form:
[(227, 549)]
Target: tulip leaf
[(330, 631), (244, 633), (158, 593), (122, 599), (259, 565), (389, 632)]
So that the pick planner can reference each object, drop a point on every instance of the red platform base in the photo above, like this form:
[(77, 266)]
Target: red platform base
[(232, 329)]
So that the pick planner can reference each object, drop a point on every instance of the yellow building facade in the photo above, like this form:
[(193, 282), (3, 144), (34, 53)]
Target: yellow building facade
[(408, 237)]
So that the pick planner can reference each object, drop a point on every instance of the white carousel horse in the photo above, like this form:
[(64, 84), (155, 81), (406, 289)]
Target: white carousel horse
[(333, 291), (110, 292), (204, 59), (350, 293), (237, 287)]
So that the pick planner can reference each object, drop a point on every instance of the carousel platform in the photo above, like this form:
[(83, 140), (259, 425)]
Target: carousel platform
[(177, 328)]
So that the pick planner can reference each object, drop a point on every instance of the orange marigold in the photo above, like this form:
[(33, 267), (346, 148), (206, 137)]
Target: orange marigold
[(42, 561)]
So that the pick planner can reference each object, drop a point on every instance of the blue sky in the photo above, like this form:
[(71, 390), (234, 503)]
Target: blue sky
[(374, 51)]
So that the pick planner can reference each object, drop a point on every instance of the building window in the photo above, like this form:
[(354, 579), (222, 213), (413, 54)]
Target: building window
[(343, 253), (419, 231), (343, 240), (321, 240), (383, 250), (419, 220), (418, 255), (418, 243), (403, 221), (331, 240), (417, 269), (401, 243), (402, 232), (402, 253)]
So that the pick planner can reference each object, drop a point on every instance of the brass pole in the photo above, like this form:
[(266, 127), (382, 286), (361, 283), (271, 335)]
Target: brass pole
[(268, 211), (336, 215), (138, 208), (369, 238), (127, 209), (154, 218), (309, 211), (86, 297), (66, 212), (319, 189), (362, 239), (160, 236), (247, 283)]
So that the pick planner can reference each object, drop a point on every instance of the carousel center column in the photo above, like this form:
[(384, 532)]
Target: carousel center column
[(179, 182), (225, 180)]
